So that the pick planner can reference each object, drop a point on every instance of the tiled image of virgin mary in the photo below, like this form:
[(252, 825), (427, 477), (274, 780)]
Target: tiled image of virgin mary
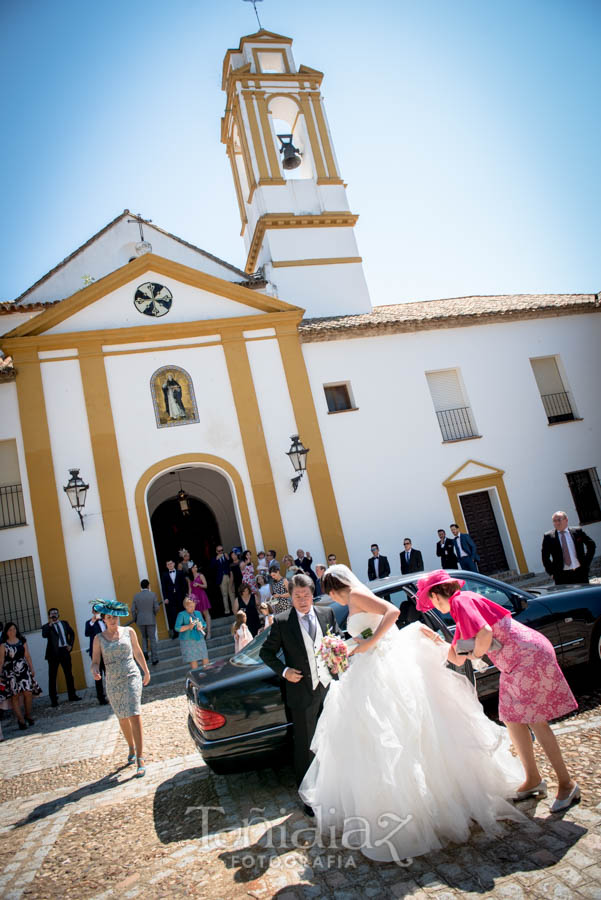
[(173, 397)]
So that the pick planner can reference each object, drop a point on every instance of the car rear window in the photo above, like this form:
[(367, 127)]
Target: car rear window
[(249, 655)]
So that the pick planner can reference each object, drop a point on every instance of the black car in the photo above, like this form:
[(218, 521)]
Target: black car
[(236, 708)]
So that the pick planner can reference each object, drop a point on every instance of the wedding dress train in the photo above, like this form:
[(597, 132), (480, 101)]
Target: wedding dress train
[(405, 758)]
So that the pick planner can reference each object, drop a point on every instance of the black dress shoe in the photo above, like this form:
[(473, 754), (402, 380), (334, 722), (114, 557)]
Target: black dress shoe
[(103, 702), (308, 811), (54, 703), (74, 698)]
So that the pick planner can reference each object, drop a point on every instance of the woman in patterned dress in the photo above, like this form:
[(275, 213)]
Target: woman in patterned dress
[(120, 650), (17, 673), (532, 688), (279, 590)]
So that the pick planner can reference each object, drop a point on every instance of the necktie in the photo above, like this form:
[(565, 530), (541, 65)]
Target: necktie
[(311, 627), (567, 560), (61, 643), (407, 556)]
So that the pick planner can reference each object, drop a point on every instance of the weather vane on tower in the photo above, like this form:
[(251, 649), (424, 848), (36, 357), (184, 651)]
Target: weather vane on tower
[(254, 3)]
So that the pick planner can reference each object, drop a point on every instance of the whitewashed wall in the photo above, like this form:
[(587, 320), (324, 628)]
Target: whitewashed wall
[(277, 419), (86, 549), (19, 542), (388, 461), (141, 444)]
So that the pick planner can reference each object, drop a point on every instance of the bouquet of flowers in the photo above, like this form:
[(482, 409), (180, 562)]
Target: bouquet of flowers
[(334, 653)]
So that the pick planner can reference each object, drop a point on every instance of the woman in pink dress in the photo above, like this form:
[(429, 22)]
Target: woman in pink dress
[(198, 592), (532, 688)]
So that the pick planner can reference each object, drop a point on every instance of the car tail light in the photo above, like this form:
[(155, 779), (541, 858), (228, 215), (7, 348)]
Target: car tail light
[(208, 720)]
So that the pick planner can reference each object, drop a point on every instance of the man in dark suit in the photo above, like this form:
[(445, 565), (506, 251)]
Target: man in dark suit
[(60, 638), (95, 626), (174, 586), (320, 571), (377, 566), (297, 632), (445, 548), (305, 562), (465, 550), (411, 560), (567, 553)]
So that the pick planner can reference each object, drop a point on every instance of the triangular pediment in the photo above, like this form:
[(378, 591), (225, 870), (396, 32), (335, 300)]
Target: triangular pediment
[(473, 469), (123, 299)]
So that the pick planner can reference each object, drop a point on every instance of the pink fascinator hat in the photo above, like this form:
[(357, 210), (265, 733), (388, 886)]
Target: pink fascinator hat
[(425, 585)]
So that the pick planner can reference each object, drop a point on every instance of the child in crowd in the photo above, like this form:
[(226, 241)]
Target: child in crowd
[(266, 614), (262, 564), (264, 588), (241, 632)]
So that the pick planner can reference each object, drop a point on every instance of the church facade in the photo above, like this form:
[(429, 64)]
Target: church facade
[(174, 381)]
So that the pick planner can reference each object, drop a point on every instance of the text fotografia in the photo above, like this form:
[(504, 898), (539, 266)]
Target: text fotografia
[(257, 834)]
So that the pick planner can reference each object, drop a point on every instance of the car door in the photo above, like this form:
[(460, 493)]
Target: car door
[(574, 619)]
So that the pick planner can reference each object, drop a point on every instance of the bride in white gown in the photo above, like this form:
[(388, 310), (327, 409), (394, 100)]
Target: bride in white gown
[(405, 758)]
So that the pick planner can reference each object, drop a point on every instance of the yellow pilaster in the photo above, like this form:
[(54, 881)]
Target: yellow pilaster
[(44, 500), (250, 175), (311, 130), (108, 473), (323, 132), (324, 498), (256, 134), (253, 440), (232, 157), (268, 137)]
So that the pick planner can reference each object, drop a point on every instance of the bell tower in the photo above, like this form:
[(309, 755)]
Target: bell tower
[(296, 220)]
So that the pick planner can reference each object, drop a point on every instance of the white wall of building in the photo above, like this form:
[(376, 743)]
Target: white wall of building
[(19, 542), (117, 310), (86, 549), (388, 461), (277, 420), (141, 444), (114, 249)]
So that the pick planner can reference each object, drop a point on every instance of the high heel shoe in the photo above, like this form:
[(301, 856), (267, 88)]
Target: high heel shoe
[(22, 726), (540, 790), (29, 721), (573, 797)]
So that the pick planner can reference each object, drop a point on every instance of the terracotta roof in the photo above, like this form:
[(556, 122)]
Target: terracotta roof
[(10, 306), (247, 282), (451, 313)]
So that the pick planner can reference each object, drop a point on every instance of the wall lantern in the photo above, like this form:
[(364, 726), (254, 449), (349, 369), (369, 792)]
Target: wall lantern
[(76, 491), (182, 498), (291, 158), (298, 457)]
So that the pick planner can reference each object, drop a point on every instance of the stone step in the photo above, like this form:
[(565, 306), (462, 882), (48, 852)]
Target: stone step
[(216, 647)]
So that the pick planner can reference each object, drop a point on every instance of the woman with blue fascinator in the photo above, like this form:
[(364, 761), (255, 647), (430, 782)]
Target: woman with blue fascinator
[(119, 648)]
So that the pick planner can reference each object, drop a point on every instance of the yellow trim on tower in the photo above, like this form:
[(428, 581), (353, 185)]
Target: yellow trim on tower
[(232, 158), (253, 440), (107, 463), (289, 220), (323, 132), (256, 134), (326, 261), (312, 132), (491, 478), (250, 172), (268, 136), (322, 489), (44, 501), (153, 566)]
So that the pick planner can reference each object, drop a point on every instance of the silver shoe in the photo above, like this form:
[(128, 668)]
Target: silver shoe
[(573, 797), (540, 790)]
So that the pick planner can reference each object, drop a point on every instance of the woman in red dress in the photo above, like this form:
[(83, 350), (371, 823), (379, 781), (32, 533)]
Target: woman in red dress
[(532, 688)]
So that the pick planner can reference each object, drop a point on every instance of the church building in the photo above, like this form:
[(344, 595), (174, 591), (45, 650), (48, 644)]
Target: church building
[(172, 390)]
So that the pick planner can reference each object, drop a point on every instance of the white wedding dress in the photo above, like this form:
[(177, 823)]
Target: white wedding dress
[(405, 758)]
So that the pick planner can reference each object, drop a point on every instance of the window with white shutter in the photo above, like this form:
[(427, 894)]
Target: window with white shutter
[(556, 399), (452, 409)]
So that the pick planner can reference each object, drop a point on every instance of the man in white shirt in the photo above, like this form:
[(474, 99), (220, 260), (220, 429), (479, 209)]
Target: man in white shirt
[(377, 565), (566, 552), (60, 638), (297, 632)]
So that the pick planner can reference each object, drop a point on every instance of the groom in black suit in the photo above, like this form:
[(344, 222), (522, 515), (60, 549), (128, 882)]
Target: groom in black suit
[(297, 633)]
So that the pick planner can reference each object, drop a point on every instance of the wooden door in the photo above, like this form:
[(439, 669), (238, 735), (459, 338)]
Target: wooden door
[(483, 529)]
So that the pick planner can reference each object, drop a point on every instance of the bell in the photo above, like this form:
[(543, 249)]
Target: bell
[(291, 156)]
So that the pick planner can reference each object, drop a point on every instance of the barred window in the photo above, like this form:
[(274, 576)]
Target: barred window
[(12, 509), (453, 411), (18, 594)]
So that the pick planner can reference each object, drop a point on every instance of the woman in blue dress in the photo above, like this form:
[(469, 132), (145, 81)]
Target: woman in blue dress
[(192, 628), (119, 648)]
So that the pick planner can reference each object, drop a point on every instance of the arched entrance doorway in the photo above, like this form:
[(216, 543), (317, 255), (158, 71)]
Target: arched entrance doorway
[(211, 519)]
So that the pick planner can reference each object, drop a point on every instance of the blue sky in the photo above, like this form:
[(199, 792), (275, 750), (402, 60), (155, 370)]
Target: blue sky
[(468, 132)]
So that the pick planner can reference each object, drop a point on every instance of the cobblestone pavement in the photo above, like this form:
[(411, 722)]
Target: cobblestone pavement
[(76, 823)]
